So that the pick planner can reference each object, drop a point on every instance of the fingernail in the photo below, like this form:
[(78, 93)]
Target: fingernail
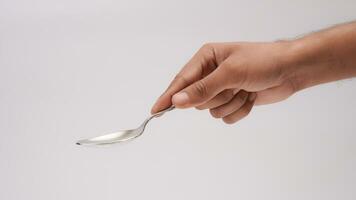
[(252, 96), (180, 98)]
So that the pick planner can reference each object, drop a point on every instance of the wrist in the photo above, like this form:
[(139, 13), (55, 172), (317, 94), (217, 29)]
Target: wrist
[(321, 57), (304, 62), (290, 59)]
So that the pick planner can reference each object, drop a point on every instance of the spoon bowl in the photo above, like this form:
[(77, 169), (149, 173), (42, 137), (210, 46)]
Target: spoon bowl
[(121, 136)]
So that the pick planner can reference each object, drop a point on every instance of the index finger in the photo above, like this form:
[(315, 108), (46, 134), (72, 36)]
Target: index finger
[(201, 64)]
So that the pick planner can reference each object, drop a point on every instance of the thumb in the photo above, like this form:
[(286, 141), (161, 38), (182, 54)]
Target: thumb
[(201, 91)]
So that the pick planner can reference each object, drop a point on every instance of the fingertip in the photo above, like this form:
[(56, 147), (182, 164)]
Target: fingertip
[(153, 110), (157, 109), (159, 105), (228, 121)]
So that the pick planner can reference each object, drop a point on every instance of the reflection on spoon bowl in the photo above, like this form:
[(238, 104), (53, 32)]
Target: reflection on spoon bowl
[(111, 138)]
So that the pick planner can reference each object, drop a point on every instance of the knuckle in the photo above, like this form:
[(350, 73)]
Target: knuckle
[(200, 88), (292, 86), (209, 50), (208, 46), (180, 78)]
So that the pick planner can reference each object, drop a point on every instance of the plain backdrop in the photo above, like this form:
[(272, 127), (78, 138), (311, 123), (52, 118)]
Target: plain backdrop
[(72, 69)]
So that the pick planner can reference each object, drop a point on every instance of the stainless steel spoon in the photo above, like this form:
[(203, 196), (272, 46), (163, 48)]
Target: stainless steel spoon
[(121, 136)]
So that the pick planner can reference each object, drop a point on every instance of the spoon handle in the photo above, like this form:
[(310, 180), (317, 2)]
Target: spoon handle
[(163, 111)]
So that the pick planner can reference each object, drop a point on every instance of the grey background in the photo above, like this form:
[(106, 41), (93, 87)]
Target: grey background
[(71, 69)]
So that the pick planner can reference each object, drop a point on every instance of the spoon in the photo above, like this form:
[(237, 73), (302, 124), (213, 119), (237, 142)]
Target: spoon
[(123, 135)]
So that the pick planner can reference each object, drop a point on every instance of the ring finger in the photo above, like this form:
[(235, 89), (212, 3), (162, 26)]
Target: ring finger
[(236, 103)]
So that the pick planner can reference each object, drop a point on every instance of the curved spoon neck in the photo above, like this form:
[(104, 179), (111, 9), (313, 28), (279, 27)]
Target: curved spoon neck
[(153, 116)]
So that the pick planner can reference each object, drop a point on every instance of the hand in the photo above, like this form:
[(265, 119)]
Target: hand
[(229, 78)]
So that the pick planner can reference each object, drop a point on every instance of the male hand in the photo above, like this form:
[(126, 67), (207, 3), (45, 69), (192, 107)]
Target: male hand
[(229, 78)]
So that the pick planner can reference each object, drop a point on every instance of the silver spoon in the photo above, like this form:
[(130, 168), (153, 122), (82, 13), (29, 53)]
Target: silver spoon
[(121, 136)]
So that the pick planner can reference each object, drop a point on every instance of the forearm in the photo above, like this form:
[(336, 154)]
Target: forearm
[(321, 57)]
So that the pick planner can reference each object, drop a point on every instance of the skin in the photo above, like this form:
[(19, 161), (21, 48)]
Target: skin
[(230, 78)]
